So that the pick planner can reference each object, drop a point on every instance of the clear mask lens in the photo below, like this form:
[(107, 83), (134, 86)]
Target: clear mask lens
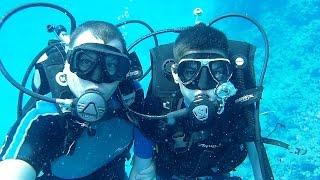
[(99, 63), (86, 61), (189, 69)]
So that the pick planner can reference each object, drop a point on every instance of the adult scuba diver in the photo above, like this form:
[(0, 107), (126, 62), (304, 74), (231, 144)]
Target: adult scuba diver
[(84, 133)]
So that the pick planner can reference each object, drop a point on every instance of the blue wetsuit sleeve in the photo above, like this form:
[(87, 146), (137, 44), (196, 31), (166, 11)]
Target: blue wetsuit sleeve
[(37, 137), (143, 147)]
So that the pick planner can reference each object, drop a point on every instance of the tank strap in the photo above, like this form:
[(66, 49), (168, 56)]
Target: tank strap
[(249, 96)]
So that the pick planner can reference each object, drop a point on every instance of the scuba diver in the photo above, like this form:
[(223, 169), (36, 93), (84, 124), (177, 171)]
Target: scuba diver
[(51, 141), (213, 136)]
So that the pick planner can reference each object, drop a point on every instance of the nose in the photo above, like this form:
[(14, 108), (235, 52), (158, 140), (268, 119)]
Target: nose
[(96, 75), (205, 81)]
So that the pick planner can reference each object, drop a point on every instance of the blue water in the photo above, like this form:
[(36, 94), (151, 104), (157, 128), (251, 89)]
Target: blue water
[(292, 84)]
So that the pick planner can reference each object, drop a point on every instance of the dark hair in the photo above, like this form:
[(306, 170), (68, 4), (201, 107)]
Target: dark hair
[(100, 29), (200, 37)]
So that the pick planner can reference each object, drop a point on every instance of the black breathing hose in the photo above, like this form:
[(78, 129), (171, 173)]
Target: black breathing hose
[(31, 5), (264, 36), (18, 86), (251, 113), (156, 42), (177, 30), (2, 68), (28, 72), (174, 114)]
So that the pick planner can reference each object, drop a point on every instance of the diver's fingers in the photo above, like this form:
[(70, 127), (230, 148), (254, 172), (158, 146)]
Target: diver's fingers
[(150, 169), (145, 177), (148, 173)]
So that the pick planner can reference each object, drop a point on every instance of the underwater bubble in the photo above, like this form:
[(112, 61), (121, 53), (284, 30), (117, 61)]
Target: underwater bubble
[(126, 14)]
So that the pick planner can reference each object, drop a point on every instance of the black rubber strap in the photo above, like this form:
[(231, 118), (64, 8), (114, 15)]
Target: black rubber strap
[(249, 96)]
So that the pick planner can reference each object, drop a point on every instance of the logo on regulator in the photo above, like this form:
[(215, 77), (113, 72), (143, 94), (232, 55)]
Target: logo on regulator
[(201, 112)]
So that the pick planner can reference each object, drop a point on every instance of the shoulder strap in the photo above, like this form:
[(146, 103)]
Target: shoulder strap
[(49, 74)]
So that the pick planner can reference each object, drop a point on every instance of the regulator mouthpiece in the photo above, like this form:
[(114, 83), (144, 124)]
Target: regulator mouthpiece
[(91, 106)]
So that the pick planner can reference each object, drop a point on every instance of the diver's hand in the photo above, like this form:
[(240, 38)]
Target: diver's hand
[(147, 174), (15, 169), (143, 169)]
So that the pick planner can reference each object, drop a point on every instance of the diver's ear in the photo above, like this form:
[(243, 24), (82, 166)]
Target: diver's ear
[(174, 68)]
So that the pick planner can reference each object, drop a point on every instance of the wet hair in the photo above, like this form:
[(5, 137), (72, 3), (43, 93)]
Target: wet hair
[(100, 29), (200, 37)]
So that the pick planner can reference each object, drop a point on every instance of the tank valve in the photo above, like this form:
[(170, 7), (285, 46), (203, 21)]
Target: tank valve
[(197, 12)]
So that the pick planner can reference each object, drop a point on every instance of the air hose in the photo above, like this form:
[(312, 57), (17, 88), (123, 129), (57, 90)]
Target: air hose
[(251, 112), (2, 68), (28, 72)]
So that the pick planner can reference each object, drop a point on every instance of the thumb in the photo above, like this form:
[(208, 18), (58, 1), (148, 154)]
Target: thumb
[(148, 173)]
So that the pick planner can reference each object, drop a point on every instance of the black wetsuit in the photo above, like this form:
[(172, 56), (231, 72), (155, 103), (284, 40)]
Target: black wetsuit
[(59, 146), (210, 152)]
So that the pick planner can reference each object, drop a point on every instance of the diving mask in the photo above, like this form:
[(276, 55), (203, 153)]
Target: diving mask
[(99, 63), (189, 71)]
